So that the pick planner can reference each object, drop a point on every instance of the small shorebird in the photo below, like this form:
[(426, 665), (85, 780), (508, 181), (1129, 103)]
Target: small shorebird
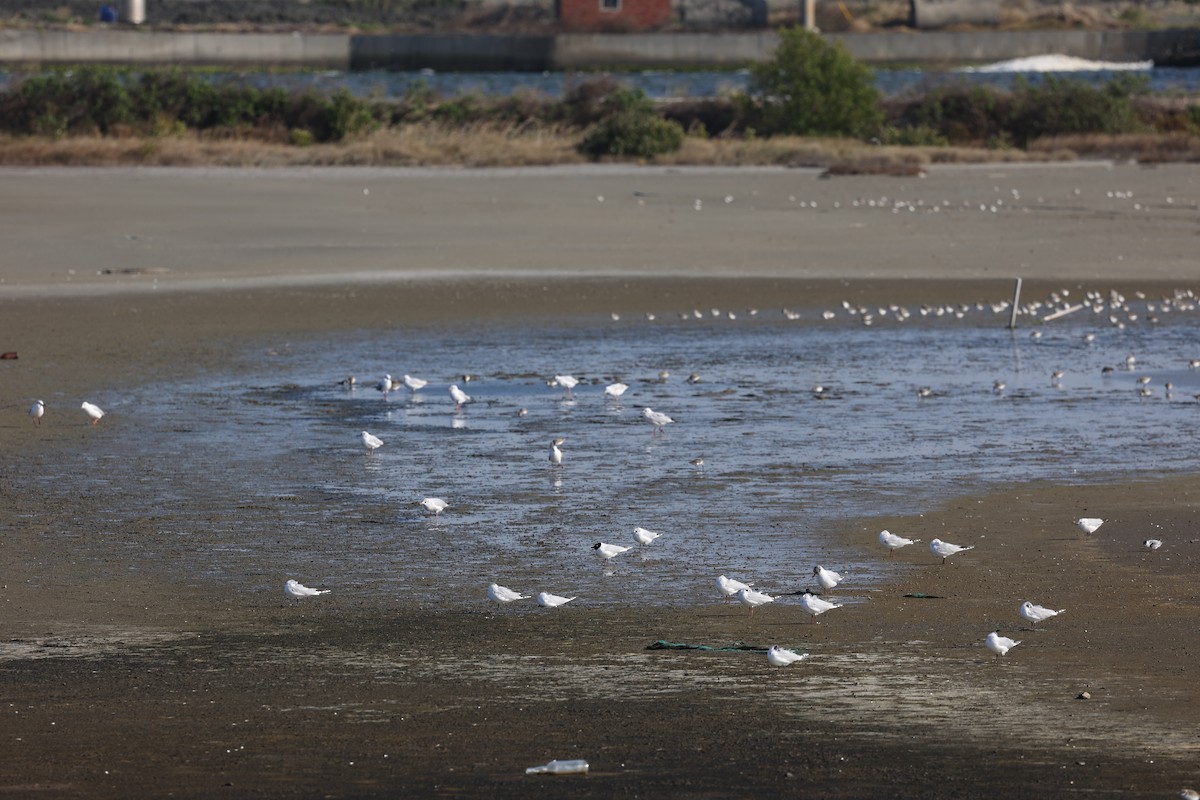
[(645, 537), (658, 419), (1000, 644), (459, 396), (37, 411), (502, 594), (728, 587), (371, 442), (1036, 614), (781, 657), (435, 504), (815, 606), (547, 600), (826, 577), (945, 549), (752, 599), (293, 588), (93, 411), (615, 390), (568, 384), (893, 542)]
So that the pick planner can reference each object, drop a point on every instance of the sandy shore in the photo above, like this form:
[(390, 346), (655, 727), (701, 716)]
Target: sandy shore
[(118, 685)]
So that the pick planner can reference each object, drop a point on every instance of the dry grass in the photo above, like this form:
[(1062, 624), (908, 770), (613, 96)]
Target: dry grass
[(512, 146), (1148, 148)]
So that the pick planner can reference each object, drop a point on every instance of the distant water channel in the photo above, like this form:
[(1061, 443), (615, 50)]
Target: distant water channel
[(657, 84), (242, 483), (670, 84)]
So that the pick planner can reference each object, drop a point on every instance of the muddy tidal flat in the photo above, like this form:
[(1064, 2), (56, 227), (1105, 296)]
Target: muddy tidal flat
[(832, 351)]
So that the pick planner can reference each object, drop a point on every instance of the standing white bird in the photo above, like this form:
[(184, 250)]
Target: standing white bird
[(293, 588), (728, 587), (547, 600), (568, 384), (459, 396), (1000, 644), (644, 536), (815, 606), (945, 549), (608, 551), (415, 384), (1036, 614), (502, 594), (93, 411), (385, 385), (826, 577), (616, 389), (780, 657), (371, 442), (37, 411), (893, 542), (556, 455), (752, 599), (1089, 524), (435, 504), (658, 419)]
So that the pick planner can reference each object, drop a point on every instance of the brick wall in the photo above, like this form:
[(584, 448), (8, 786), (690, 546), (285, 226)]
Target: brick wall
[(619, 15)]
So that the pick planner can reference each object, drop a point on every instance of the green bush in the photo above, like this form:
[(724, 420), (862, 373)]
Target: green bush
[(1057, 106), (914, 136), (637, 133), (106, 100), (959, 114), (811, 88)]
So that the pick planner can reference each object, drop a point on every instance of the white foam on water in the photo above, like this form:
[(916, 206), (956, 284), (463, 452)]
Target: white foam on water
[(1060, 63)]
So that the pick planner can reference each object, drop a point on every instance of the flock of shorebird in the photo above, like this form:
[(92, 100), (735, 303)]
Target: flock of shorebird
[(38, 410)]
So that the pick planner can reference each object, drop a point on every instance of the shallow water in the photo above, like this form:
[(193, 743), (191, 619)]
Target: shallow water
[(234, 483)]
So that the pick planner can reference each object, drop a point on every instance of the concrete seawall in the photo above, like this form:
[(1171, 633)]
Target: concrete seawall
[(569, 51)]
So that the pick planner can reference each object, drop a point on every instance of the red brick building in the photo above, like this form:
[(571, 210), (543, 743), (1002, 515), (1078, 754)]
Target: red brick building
[(621, 15)]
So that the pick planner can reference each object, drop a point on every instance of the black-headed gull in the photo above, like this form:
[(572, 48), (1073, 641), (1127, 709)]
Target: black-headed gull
[(37, 411), (93, 411), (415, 384), (658, 419), (547, 600), (645, 537), (826, 577), (1089, 524), (371, 442), (728, 587), (815, 606), (459, 396), (893, 542), (608, 551), (556, 455), (435, 504), (1152, 544), (781, 657), (945, 549), (386, 384), (1000, 644), (616, 389), (1036, 614), (293, 588), (502, 594), (752, 599)]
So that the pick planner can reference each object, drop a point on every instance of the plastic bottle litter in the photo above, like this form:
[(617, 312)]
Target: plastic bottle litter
[(556, 767)]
